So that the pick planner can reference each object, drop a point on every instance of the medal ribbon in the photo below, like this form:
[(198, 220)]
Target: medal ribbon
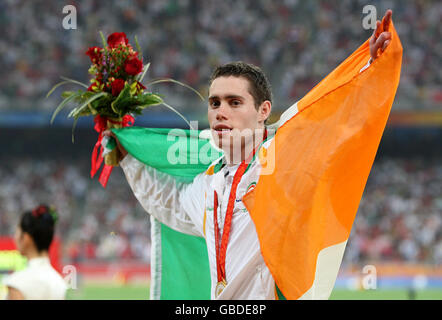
[(222, 249)]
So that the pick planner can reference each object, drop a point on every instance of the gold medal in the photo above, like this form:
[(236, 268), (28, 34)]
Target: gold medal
[(220, 287)]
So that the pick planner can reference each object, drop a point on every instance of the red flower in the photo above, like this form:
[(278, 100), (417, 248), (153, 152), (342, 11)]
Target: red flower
[(92, 86), (94, 53), (117, 86), (132, 55), (116, 39), (133, 66)]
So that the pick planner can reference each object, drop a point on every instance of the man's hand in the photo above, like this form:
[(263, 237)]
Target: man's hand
[(122, 152), (381, 38)]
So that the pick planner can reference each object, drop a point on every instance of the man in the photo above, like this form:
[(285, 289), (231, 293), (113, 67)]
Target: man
[(211, 206)]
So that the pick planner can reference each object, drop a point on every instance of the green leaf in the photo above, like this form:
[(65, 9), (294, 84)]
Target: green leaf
[(116, 105), (75, 81), (56, 86), (102, 102), (138, 110), (63, 104), (148, 99), (103, 40), (92, 109), (79, 98), (86, 95), (137, 45), (66, 94), (133, 88), (75, 112), (146, 67), (177, 82), (92, 69), (127, 104)]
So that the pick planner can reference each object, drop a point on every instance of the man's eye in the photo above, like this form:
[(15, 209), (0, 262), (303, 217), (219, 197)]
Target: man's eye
[(236, 102), (214, 104)]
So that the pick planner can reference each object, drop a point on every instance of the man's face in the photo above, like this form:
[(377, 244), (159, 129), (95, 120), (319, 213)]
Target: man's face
[(232, 113)]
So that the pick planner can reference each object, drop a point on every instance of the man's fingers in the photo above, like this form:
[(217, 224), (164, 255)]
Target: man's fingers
[(122, 151), (386, 20), (378, 30), (381, 43), (373, 36), (383, 38), (109, 133), (386, 43)]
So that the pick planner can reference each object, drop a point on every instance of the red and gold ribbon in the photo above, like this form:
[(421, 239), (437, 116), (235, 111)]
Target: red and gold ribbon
[(221, 248)]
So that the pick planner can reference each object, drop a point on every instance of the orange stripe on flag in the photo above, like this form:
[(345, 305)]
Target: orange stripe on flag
[(324, 155)]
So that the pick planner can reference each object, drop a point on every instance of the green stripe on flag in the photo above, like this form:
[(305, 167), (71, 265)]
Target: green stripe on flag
[(279, 293), (184, 276)]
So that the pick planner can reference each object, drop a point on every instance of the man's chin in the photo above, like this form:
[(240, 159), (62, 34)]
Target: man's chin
[(223, 141)]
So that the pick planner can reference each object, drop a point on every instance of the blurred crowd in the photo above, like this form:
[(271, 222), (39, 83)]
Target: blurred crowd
[(297, 43), (400, 214), (94, 223), (399, 218)]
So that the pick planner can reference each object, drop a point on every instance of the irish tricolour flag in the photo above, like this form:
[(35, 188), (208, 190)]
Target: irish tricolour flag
[(303, 212)]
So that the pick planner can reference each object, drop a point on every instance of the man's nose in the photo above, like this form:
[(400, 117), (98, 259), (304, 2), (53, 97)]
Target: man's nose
[(222, 112)]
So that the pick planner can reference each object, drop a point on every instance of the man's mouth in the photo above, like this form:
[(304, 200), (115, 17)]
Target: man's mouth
[(222, 129)]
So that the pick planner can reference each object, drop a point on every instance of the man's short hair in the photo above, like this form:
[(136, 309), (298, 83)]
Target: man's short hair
[(259, 87)]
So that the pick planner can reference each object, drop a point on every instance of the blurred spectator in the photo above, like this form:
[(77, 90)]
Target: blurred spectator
[(296, 43)]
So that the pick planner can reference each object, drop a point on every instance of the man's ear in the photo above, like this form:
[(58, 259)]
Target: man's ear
[(264, 110)]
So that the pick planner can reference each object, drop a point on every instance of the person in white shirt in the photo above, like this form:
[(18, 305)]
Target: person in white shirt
[(39, 280), (211, 206)]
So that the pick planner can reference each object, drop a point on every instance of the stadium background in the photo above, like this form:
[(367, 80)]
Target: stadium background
[(105, 234)]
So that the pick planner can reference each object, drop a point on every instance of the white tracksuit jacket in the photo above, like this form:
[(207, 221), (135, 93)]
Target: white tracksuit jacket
[(188, 208)]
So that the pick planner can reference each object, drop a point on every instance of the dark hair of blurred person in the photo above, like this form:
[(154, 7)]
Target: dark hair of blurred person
[(33, 237), (35, 231)]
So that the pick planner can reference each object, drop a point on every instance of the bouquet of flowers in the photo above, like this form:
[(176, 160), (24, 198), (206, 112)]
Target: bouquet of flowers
[(114, 95)]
